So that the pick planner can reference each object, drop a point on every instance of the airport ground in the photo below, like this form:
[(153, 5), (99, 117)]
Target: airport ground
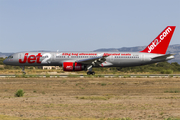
[(90, 98)]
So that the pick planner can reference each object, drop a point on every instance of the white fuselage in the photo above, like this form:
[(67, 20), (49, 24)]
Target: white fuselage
[(114, 59)]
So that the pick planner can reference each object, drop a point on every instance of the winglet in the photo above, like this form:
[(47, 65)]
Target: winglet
[(160, 44)]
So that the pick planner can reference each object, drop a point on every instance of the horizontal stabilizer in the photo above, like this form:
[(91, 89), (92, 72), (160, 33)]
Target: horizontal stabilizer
[(164, 56)]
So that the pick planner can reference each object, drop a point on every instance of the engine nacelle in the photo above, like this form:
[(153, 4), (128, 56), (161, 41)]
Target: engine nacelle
[(71, 66)]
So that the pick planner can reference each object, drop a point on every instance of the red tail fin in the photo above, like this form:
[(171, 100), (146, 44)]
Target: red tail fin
[(160, 44)]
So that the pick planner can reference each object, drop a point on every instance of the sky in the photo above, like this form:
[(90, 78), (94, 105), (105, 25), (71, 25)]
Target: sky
[(84, 25)]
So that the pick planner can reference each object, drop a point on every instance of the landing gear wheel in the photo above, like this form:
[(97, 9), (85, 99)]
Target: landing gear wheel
[(24, 72), (90, 73), (93, 73)]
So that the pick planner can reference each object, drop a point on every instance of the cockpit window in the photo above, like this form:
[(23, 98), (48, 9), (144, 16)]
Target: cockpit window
[(10, 56)]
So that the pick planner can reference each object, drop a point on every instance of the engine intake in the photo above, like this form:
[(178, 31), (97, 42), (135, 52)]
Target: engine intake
[(71, 66)]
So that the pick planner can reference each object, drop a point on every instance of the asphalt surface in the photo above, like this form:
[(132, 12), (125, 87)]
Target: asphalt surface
[(98, 75)]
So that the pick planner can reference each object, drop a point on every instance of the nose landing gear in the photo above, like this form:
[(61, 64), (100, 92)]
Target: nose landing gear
[(23, 69)]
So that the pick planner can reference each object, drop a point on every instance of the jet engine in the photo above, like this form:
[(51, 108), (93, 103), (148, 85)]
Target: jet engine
[(71, 66)]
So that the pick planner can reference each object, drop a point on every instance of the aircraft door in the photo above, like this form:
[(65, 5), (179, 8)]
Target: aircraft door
[(111, 58), (53, 57), (142, 58), (20, 56)]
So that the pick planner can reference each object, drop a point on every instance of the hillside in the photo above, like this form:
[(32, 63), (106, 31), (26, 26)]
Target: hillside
[(4, 54)]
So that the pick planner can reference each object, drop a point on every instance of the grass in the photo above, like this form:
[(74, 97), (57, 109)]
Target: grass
[(33, 76), (88, 76), (138, 76), (116, 76), (93, 97), (124, 118), (172, 97), (64, 81), (170, 118), (126, 76), (73, 76), (90, 99), (36, 74), (171, 91), (6, 117), (98, 76), (171, 76)]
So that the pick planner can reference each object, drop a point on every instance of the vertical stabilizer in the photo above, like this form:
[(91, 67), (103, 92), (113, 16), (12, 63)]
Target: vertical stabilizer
[(160, 44)]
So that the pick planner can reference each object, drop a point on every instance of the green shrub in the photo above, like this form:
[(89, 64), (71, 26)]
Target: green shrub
[(171, 91), (94, 97), (163, 71), (1, 68), (170, 76), (166, 72), (126, 76), (19, 93), (169, 71), (103, 84), (47, 75)]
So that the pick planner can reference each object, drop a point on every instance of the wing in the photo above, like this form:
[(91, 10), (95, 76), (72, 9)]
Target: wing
[(94, 61)]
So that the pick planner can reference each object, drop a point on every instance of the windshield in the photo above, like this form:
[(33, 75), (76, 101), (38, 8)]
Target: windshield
[(10, 56)]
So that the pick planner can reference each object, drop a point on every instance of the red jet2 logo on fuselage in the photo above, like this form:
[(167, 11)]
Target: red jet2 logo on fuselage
[(31, 59)]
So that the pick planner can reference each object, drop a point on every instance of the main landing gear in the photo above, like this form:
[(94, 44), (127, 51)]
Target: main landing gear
[(90, 72)]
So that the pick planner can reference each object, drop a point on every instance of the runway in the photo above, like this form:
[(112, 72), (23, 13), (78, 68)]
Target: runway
[(99, 75)]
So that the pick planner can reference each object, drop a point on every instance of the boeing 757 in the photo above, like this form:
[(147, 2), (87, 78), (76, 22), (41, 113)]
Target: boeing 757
[(78, 61)]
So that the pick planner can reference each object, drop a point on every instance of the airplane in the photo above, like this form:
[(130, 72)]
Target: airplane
[(78, 61)]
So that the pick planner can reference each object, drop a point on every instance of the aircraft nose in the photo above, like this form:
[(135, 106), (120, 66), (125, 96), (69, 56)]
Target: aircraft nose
[(5, 61)]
